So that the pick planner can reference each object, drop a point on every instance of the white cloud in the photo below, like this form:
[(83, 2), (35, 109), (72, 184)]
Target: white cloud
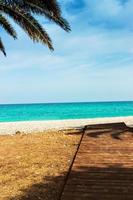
[(104, 9)]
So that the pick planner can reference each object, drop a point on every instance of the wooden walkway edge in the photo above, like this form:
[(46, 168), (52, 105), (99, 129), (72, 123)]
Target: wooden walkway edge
[(103, 165)]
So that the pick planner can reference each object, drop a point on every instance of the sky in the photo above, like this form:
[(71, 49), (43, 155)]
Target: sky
[(94, 62)]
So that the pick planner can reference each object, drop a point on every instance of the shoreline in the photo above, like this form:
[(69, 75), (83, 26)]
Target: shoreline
[(11, 128)]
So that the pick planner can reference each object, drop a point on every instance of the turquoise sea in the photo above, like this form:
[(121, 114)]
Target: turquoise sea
[(60, 111)]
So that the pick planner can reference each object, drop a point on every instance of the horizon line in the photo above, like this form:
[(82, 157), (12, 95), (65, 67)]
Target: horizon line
[(33, 103)]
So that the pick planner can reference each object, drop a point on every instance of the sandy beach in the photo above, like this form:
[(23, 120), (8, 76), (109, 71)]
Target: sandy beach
[(10, 128)]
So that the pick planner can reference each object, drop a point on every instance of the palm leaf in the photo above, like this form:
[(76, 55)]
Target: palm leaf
[(48, 5), (22, 12), (49, 8), (37, 9), (7, 26), (2, 48), (28, 23)]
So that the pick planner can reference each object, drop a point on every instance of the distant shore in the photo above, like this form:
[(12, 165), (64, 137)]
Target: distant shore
[(10, 128)]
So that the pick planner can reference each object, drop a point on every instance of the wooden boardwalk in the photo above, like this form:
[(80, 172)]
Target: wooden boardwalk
[(103, 166)]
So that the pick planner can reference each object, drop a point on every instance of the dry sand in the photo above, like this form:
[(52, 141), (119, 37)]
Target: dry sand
[(34, 166), (9, 128)]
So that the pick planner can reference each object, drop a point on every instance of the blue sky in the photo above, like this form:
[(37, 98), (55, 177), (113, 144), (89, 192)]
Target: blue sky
[(92, 63)]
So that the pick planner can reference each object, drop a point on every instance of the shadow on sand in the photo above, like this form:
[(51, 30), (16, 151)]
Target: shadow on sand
[(96, 182), (115, 130)]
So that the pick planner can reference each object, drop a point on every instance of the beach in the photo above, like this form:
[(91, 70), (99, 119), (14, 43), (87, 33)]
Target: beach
[(11, 128)]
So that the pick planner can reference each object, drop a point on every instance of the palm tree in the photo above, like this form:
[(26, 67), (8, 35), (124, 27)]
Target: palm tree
[(23, 12)]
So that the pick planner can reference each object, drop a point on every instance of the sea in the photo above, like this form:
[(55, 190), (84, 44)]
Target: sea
[(63, 111)]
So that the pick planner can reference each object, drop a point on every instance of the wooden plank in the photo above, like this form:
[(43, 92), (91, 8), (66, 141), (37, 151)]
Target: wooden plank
[(103, 166)]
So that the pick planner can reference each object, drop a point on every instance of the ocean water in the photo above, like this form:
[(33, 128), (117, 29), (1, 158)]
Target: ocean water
[(60, 111)]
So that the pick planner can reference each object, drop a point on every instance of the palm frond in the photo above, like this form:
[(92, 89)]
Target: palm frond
[(7, 26), (48, 8), (58, 19), (2, 48), (23, 12), (28, 23), (48, 5)]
